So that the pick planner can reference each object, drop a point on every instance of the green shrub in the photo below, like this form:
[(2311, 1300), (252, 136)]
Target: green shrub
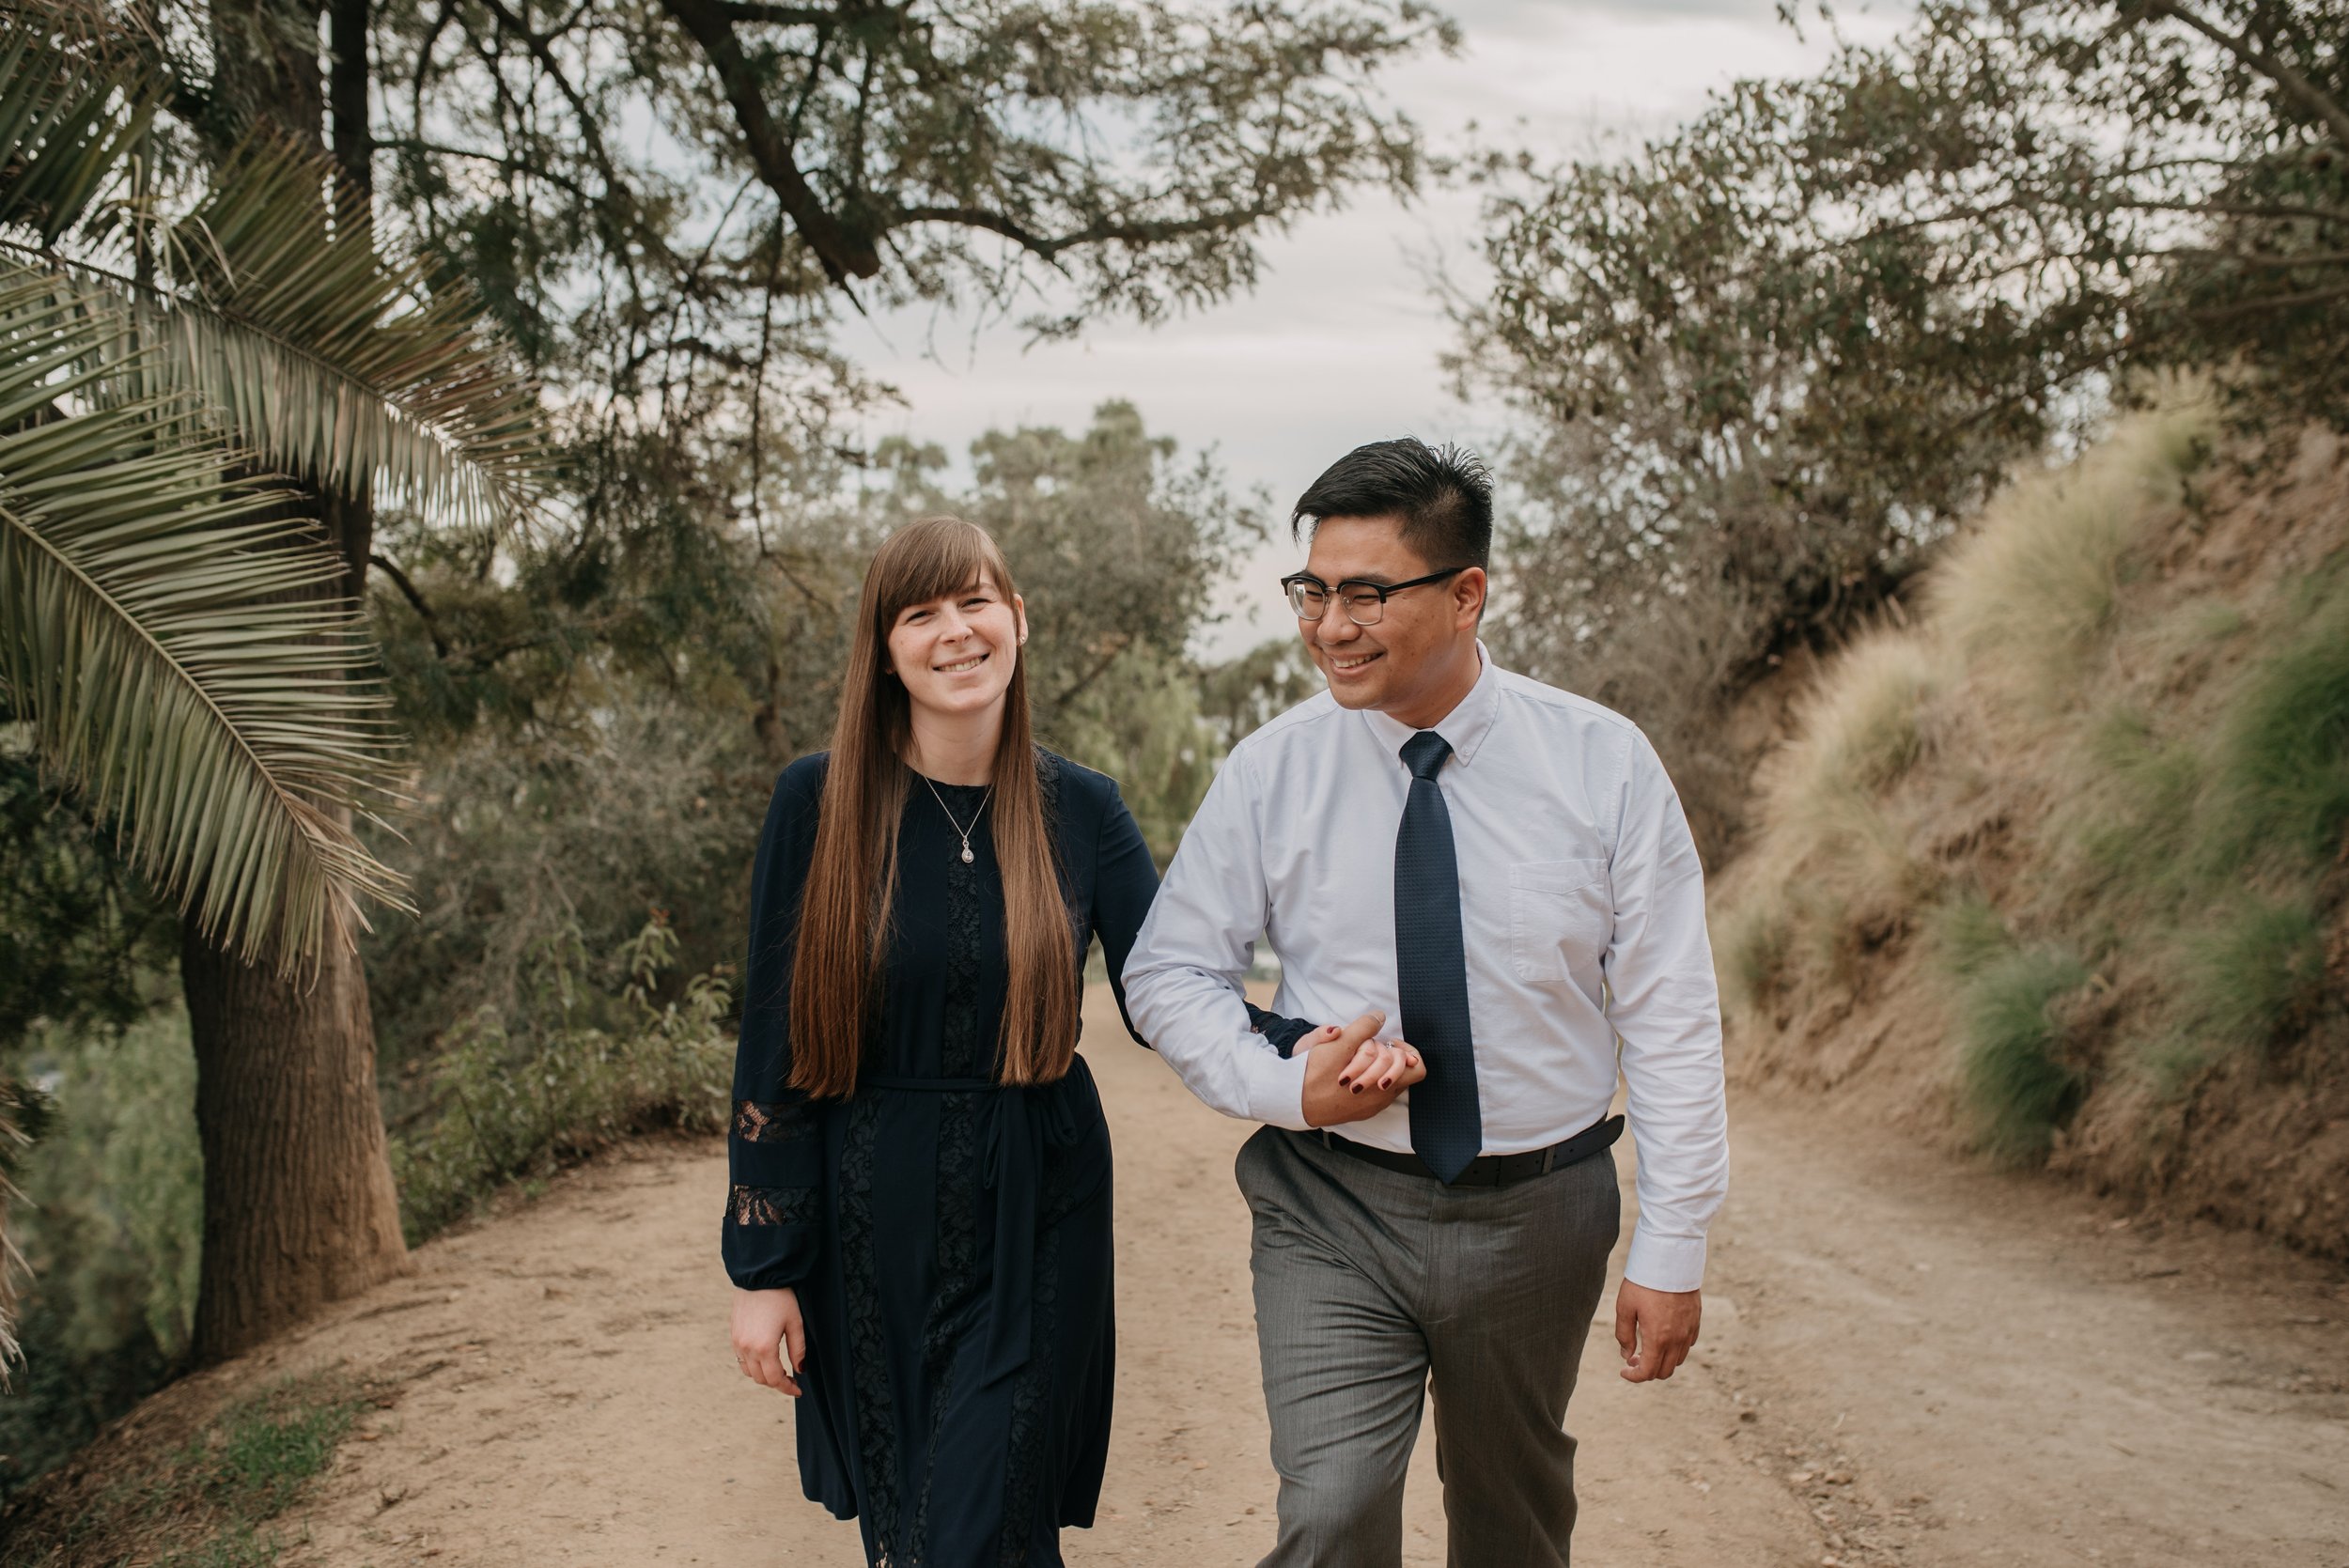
[(2283, 783), (2016, 1089), (568, 1071), (1968, 933), (2133, 814), (2259, 970), (1753, 947), (111, 1225)]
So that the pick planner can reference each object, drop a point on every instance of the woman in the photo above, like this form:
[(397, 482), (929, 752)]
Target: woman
[(920, 1215)]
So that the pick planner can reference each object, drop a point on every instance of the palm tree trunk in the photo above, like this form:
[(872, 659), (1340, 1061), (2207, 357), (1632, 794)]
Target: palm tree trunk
[(299, 1207)]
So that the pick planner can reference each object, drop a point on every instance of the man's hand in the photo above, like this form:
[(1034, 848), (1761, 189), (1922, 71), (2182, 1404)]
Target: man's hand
[(769, 1340), (1657, 1329), (1351, 1076)]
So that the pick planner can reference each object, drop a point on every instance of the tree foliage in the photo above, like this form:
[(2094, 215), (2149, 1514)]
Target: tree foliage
[(1768, 359), (163, 631)]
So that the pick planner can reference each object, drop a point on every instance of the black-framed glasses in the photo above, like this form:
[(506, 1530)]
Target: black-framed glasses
[(1365, 602)]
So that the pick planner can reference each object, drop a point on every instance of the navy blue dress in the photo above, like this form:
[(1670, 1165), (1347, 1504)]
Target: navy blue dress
[(949, 1238)]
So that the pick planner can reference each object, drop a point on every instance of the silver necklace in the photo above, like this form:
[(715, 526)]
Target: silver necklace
[(960, 831)]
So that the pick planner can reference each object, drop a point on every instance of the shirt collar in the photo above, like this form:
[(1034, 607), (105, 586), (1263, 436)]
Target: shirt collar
[(1464, 728)]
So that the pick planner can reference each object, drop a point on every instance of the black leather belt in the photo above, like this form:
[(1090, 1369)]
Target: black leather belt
[(1489, 1170)]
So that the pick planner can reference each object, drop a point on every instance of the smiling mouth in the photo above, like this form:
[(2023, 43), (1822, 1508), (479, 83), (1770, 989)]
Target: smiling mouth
[(960, 666), (1351, 661)]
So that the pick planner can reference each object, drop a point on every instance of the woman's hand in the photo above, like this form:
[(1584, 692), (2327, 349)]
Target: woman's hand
[(1351, 1075), (1382, 1066), (769, 1340)]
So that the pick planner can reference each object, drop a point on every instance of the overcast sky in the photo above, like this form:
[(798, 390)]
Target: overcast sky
[(1340, 343)]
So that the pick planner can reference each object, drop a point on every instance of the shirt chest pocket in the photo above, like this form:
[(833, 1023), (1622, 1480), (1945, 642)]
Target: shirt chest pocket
[(1559, 910)]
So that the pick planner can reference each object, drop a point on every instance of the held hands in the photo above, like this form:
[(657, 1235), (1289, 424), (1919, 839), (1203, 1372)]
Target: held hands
[(1351, 1076), (769, 1340), (1657, 1329)]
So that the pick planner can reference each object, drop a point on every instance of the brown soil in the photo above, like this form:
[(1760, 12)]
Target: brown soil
[(1906, 1360)]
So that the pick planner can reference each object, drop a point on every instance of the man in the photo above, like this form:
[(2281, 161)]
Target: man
[(1505, 870)]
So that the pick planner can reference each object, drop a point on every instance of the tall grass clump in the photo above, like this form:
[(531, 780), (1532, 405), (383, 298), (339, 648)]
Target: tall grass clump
[(2016, 1087), (2126, 826), (2036, 585), (569, 1070), (1751, 943), (1822, 813), (2284, 758), (1970, 934), (1864, 725), (2259, 972)]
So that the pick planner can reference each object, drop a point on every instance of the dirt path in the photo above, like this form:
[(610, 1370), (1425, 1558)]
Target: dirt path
[(1905, 1363)]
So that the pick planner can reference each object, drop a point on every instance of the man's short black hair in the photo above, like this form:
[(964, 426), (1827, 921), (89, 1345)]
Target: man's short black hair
[(1444, 494)]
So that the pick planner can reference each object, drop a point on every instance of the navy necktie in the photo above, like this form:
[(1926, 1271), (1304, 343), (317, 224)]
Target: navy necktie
[(1431, 968)]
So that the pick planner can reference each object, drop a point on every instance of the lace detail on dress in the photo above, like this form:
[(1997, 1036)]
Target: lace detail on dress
[(771, 1205), (964, 1049), (868, 1349), (761, 1121)]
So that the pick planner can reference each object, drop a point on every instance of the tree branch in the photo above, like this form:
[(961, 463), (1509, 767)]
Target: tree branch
[(1049, 248), (1069, 692), (2279, 262), (779, 16), (416, 602), (591, 136), (2298, 86), (845, 253), (2274, 301)]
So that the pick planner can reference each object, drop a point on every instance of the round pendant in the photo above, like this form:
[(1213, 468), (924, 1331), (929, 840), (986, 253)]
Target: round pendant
[(966, 854)]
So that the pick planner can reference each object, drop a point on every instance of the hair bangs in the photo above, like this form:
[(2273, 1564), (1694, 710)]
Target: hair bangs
[(933, 559)]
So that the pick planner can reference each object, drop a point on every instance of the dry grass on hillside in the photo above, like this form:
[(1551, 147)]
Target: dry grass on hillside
[(2061, 867)]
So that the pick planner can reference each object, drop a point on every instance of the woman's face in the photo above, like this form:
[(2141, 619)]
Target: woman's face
[(955, 654)]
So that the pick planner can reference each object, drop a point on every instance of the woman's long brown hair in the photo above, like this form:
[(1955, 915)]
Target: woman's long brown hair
[(852, 879)]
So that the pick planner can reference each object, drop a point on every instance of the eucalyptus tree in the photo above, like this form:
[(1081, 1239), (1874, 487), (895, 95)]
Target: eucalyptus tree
[(180, 638), (1766, 360), (671, 205)]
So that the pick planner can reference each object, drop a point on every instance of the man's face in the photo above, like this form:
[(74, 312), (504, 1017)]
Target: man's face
[(1412, 656)]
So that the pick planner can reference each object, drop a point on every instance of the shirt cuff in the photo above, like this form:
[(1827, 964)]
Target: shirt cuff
[(1663, 1261), (1276, 1088)]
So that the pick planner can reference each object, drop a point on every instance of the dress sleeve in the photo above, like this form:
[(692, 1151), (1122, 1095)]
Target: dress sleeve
[(1124, 880), (774, 1140)]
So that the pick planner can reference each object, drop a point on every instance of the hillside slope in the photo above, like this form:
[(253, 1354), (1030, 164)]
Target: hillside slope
[(2057, 869)]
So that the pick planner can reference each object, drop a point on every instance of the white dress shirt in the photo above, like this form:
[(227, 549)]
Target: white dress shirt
[(1582, 907)]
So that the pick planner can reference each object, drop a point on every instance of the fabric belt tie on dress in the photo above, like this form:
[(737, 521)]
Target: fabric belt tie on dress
[(1018, 1125)]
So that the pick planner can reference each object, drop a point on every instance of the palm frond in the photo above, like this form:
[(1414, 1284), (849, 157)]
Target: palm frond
[(71, 116), (274, 300), (337, 361), (162, 632)]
